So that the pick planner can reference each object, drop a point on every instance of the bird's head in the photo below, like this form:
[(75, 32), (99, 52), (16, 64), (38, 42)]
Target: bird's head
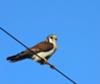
[(52, 38)]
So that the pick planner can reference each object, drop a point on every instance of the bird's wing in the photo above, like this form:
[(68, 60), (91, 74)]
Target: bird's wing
[(42, 47), (19, 56)]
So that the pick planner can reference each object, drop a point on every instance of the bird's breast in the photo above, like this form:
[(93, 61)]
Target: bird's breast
[(43, 54)]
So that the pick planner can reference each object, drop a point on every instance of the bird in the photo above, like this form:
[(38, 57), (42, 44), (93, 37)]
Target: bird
[(41, 51)]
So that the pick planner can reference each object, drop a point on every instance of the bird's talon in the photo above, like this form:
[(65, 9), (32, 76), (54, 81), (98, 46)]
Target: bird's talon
[(45, 61)]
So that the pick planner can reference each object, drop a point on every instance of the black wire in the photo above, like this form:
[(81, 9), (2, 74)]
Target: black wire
[(52, 66), (19, 42), (65, 76)]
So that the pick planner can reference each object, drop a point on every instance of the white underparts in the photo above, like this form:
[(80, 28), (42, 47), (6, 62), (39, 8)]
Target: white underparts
[(45, 54)]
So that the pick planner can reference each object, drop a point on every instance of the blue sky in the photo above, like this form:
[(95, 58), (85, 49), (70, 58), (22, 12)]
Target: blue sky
[(77, 26)]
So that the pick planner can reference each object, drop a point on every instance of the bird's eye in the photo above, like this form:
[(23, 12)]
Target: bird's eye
[(51, 37)]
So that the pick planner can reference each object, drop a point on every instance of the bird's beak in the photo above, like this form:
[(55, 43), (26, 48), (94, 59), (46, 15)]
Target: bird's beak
[(56, 39)]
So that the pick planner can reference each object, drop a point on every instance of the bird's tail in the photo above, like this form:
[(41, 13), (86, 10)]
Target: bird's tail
[(16, 58)]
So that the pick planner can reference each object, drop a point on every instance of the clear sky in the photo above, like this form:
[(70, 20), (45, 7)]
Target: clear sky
[(77, 26)]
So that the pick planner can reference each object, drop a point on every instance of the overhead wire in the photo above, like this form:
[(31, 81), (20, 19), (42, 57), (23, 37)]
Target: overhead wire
[(51, 66)]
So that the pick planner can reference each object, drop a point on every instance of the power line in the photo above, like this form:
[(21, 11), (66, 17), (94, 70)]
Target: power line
[(51, 66)]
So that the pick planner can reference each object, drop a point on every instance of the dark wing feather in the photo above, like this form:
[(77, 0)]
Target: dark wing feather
[(42, 47), (19, 56)]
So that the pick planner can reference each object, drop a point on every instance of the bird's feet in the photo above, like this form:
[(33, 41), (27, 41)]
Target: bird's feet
[(45, 61)]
